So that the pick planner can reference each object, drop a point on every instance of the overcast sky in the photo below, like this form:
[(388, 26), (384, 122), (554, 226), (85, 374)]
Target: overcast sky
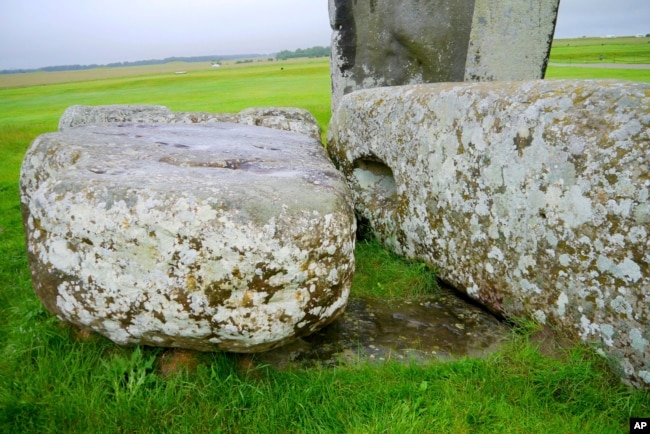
[(37, 33)]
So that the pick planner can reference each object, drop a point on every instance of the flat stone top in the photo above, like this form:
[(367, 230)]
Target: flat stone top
[(220, 160)]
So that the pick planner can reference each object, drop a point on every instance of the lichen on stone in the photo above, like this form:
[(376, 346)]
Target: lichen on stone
[(207, 237), (532, 197)]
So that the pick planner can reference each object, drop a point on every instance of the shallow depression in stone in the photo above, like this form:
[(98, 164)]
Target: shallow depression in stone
[(437, 327)]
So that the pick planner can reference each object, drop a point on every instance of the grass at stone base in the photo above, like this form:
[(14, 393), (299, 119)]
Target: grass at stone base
[(382, 274), (53, 379), (57, 384)]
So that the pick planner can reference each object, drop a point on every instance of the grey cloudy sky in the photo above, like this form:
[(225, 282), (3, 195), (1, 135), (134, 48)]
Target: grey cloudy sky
[(37, 33)]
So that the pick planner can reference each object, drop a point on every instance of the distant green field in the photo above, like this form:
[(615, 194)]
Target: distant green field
[(597, 58), (581, 73), (172, 68), (27, 111), (628, 50)]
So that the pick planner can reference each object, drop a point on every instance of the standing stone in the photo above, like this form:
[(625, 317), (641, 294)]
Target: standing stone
[(207, 237), (510, 40), (532, 197), (386, 43)]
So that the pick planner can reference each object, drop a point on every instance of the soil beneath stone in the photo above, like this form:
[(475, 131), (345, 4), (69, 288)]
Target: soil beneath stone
[(437, 327)]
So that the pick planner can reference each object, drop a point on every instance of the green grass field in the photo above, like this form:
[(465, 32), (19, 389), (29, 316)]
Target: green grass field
[(627, 50), (615, 53), (54, 379), (583, 73)]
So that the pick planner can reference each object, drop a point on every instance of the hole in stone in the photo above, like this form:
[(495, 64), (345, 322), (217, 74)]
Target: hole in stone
[(375, 196), (375, 179), (364, 229)]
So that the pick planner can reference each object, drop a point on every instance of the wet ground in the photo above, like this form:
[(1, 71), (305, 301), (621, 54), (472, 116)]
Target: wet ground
[(441, 326)]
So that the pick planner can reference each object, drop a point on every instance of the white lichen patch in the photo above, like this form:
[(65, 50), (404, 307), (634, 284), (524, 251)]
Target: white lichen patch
[(198, 245), (532, 197), (561, 304)]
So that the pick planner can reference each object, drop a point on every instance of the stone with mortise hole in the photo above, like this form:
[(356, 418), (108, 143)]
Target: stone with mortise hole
[(219, 237), (532, 197)]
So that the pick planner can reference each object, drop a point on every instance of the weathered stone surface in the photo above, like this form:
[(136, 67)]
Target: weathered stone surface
[(510, 40), (387, 43), (281, 118), (77, 115), (206, 237), (532, 197)]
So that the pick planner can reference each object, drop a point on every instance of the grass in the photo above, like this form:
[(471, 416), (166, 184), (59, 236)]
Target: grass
[(582, 73), (58, 384), (609, 51), (54, 379), (54, 77), (382, 274), (601, 50)]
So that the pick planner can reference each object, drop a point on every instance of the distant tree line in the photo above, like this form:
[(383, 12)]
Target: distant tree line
[(212, 59), (282, 55), (303, 52)]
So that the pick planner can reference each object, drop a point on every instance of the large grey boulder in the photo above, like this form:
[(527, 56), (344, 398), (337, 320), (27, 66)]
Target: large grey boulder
[(208, 237), (388, 43), (281, 118), (532, 197)]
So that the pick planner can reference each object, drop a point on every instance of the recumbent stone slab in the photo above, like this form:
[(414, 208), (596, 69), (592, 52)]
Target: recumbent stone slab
[(219, 237), (532, 197)]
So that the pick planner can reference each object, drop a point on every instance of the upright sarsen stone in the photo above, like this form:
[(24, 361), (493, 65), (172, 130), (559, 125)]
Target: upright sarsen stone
[(208, 237), (510, 40), (387, 43)]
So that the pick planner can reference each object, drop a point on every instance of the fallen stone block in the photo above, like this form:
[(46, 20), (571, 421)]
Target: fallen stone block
[(206, 237), (281, 118), (531, 197)]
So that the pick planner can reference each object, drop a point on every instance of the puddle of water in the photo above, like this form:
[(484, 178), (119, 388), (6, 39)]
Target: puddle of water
[(441, 326)]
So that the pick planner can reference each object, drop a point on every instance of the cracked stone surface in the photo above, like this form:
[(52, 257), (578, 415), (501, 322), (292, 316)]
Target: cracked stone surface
[(206, 237)]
